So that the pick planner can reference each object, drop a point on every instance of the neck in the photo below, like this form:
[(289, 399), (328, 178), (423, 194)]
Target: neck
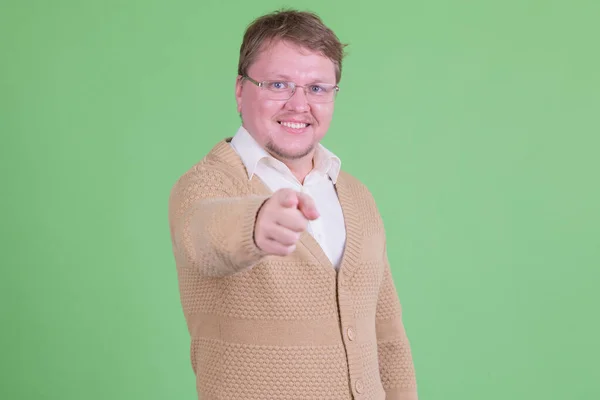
[(300, 168)]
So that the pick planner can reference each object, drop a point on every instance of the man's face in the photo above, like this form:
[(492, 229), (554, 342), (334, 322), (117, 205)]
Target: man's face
[(266, 119)]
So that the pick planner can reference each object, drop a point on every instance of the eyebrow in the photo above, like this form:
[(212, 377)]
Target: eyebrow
[(288, 78), (280, 76)]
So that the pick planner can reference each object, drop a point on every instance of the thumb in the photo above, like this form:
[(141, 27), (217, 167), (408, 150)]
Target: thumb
[(288, 198), (307, 206)]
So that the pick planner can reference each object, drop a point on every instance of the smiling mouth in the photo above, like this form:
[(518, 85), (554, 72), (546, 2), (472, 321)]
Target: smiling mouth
[(294, 125)]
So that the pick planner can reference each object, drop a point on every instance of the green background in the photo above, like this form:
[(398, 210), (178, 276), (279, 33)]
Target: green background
[(475, 125)]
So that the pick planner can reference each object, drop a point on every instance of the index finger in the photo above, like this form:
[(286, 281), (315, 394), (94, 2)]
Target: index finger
[(307, 206)]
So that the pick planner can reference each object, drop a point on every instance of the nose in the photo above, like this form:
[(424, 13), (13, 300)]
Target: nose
[(298, 102)]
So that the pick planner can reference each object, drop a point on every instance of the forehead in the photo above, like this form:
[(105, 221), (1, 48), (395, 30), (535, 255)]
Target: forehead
[(287, 60)]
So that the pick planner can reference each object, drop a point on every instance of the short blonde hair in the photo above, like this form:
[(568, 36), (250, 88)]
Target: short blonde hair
[(303, 28)]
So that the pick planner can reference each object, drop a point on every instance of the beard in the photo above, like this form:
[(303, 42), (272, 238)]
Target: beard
[(286, 155)]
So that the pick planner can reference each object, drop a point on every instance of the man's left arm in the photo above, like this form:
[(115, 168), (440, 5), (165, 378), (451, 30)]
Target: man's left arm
[(395, 358)]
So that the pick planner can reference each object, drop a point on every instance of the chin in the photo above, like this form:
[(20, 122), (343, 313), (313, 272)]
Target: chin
[(289, 152)]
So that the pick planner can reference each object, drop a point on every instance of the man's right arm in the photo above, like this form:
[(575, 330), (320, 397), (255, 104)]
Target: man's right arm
[(212, 229)]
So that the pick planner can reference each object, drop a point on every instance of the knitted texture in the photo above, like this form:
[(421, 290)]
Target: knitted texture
[(267, 327)]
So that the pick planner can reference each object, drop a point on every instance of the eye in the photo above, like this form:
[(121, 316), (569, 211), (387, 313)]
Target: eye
[(318, 89), (277, 85)]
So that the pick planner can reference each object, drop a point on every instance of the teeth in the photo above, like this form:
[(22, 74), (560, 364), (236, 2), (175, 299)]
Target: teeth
[(294, 125)]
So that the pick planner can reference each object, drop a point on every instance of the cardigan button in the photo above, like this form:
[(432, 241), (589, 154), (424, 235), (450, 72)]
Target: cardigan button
[(359, 386), (351, 334)]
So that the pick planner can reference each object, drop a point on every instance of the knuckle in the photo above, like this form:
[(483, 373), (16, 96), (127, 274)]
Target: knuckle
[(284, 192)]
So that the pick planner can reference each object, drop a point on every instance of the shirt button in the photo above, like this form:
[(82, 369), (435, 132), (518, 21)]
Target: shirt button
[(351, 334), (359, 386)]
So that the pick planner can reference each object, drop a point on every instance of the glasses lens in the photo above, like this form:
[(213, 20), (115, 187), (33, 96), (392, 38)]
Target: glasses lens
[(279, 90), (317, 93), (321, 93)]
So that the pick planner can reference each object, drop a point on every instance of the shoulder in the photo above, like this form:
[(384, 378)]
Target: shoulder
[(364, 204), (354, 185), (220, 171)]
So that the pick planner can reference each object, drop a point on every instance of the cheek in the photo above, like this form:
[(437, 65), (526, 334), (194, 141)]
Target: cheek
[(248, 103), (260, 109), (323, 114), (269, 109)]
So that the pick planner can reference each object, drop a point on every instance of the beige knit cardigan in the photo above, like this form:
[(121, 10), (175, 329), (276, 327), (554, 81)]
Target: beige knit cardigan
[(271, 327)]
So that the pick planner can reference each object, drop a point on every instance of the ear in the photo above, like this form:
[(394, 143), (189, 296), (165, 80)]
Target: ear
[(238, 92)]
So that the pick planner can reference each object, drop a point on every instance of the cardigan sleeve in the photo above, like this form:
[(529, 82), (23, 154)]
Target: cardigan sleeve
[(394, 353), (212, 223)]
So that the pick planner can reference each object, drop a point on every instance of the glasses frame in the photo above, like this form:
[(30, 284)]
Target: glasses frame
[(293, 85)]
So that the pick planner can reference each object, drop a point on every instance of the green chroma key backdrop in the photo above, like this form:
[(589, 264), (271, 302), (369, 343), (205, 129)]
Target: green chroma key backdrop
[(474, 124)]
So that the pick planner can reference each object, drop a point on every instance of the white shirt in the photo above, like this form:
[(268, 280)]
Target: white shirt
[(329, 229)]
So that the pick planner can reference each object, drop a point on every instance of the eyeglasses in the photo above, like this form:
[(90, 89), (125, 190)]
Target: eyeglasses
[(281, 90)]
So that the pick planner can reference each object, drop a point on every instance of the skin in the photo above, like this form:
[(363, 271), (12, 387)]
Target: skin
[(285, 215)]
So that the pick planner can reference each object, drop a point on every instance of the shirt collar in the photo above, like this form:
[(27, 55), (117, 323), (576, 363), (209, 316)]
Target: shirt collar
[(252, 154)]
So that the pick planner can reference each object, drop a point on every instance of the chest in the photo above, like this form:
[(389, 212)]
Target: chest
[(329, 230)]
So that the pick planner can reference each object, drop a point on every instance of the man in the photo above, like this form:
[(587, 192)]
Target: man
[(281, 257)]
